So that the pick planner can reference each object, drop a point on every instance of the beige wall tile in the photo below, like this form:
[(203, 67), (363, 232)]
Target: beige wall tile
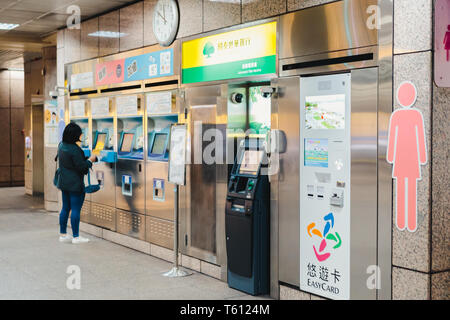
[(132, 24), (221, 14), (293, 5), (4, 93), (191, 15), (254, 10), (412, 250), (412, 25), (109, 22), (441, 176), (60, 67), (17, 75), (89, 44), (17, 137), (50, 78), (17, 93), (440, 286), (72, 45), (50, 191), (5, 137), (60, 39), (149, 36), (410, 285)]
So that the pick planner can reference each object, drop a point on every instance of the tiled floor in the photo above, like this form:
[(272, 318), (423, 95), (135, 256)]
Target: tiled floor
[(33, 263)]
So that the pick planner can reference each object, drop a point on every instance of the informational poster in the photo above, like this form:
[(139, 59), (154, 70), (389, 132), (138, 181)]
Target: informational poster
[(51, 120), (150, 65), (82, 80), (442, 43), (127, 105), (159, 103), (316, 153), (177, 158), (260, 111), (325, 112), (77, 108), (100, 107), (109, 72), (235, 54)]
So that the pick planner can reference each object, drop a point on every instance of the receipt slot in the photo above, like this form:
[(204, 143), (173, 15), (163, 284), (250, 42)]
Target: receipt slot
[(247, 221)]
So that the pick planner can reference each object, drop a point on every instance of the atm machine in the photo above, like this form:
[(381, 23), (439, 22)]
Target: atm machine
[(247, 219), (162, 113), (130, 166), (103, 202)]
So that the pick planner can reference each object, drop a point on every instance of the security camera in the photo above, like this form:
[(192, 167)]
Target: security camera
[(267, 91), (237, 97), (54, 94)]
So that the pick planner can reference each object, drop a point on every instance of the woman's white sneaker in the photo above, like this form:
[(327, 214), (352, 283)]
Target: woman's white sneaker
[(65, 238), (79, 240)]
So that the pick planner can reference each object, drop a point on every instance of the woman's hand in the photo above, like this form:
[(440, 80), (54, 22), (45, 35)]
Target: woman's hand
[(93, 158)]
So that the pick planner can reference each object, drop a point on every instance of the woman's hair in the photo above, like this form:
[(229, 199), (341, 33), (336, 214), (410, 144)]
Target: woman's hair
[(72, 133)]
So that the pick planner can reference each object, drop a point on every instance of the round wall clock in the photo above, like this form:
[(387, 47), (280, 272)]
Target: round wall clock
[(166, 20)]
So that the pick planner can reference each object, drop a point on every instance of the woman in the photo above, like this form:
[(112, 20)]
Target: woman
[(73, 166)]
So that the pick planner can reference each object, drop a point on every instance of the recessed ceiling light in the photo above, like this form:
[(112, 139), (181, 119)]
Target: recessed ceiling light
[(107, 34), (8, 26)]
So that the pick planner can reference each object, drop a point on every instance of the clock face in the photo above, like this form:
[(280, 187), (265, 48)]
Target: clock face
[(165, 21)]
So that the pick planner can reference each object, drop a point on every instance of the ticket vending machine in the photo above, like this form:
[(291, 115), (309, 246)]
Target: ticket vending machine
[(130, 169), (161, 114), (103, 137), (247, 220)]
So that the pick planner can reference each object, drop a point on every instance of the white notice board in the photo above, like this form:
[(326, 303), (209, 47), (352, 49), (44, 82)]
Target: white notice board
[(177, 158)]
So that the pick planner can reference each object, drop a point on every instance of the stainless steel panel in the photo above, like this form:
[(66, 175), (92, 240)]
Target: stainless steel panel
[(363, 250), (103, 216), (332, 27), (136, 202), (157, 208), (330, 67), (385, 103), (159, 231), (288, 180), (106, 195), (85, 214), (131, 224)]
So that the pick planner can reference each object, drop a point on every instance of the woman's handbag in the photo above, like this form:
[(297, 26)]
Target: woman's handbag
[(90, 187), (57, 173)]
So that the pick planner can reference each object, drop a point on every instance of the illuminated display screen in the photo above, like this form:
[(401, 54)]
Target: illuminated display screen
[(127, 142), (159, 143), (250, 162), (325, 112), (100, 144)]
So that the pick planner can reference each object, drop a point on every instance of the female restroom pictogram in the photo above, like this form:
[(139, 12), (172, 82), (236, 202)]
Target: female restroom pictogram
[(407, 152), (447, 42)]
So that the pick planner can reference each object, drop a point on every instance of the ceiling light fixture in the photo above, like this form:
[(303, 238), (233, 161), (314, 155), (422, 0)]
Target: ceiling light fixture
[(107, 34), (8, 26)]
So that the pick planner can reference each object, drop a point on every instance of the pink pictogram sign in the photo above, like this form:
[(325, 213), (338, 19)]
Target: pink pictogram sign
[(407, 152), (442, 43)]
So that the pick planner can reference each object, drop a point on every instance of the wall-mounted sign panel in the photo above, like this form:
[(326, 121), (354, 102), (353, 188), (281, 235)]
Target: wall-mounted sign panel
[(158, 103), (151, 65), (100, 107), (442, 43), (127, 105), (81, 80), (77, 108), (109, 72), (236, 54)]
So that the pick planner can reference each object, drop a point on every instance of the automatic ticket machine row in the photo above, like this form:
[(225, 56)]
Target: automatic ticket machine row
[(132, 148)]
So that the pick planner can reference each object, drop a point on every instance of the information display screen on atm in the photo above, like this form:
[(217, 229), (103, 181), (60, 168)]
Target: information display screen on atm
[(100, 144), (159, 143), (127, 142), (250, 162)]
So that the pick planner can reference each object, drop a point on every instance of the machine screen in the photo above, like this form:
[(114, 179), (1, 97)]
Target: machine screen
[(159, 143), (325, 112), (127, 142), (101, 138), (250, 162)]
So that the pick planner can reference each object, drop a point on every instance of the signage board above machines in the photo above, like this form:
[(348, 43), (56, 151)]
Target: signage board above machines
[(242, 53)]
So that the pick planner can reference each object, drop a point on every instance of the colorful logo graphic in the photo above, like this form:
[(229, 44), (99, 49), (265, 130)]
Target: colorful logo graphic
[(321, 255), (208, 50)]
